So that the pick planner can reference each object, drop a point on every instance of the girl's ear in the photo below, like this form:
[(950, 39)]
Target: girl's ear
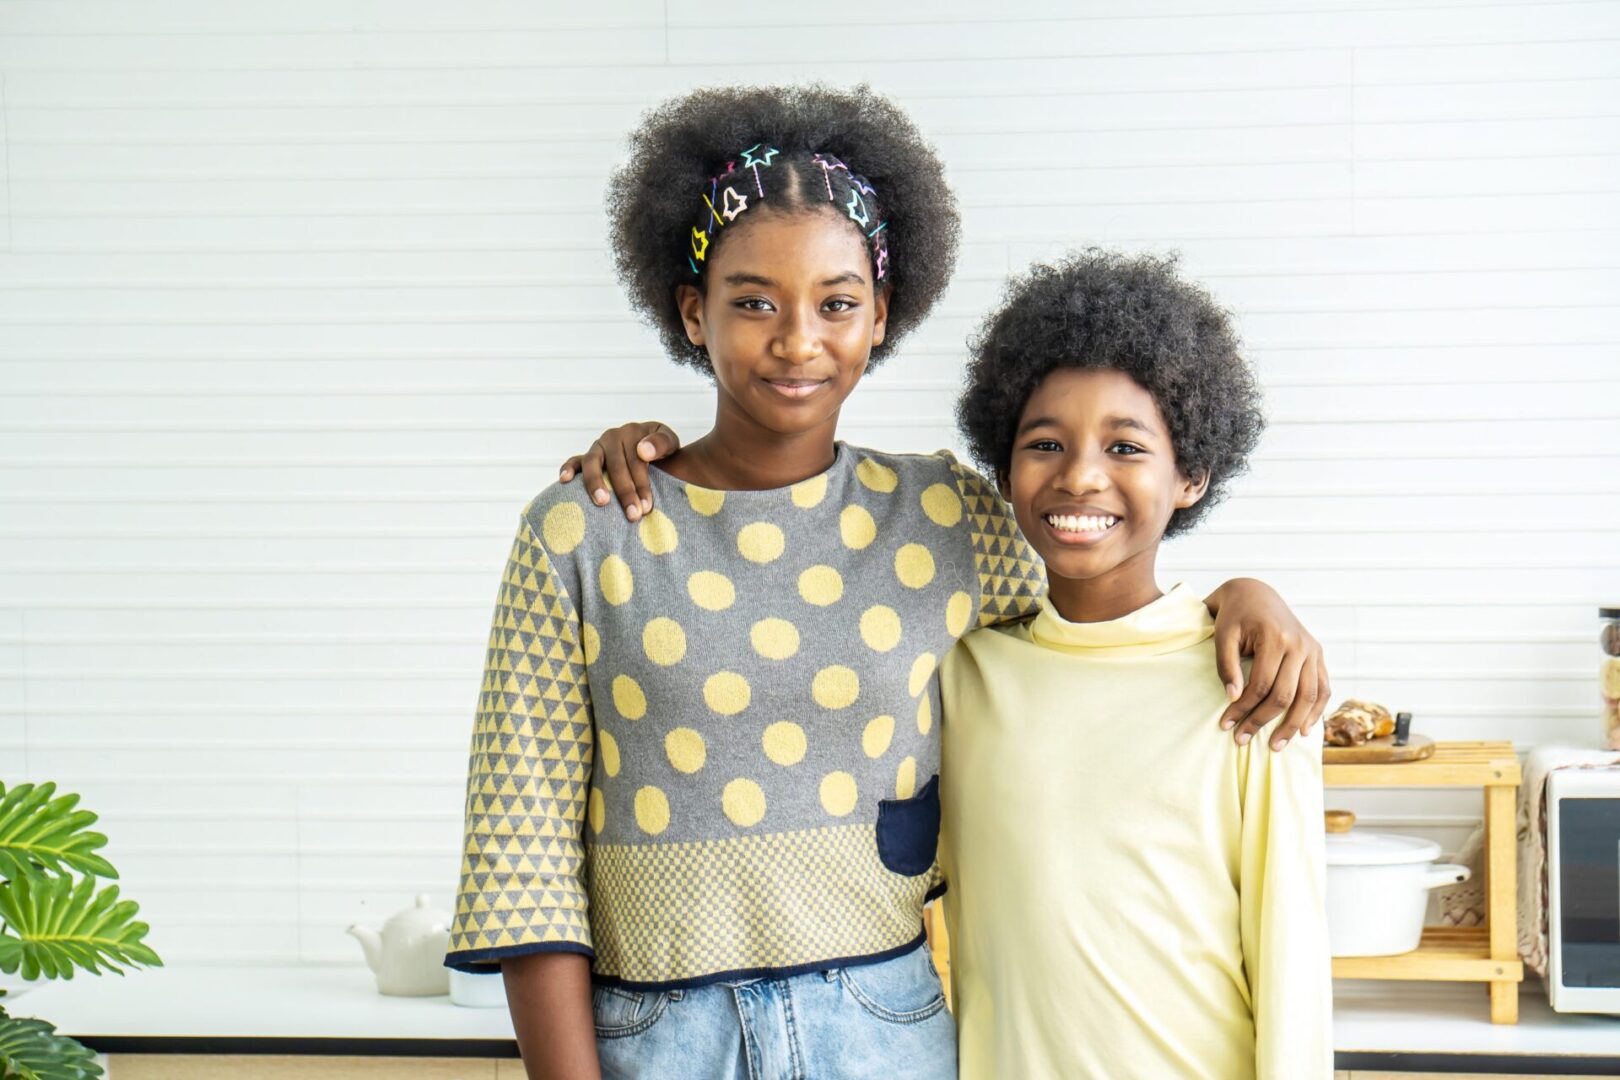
[(690, 303), (880, 307), (1191, 490)]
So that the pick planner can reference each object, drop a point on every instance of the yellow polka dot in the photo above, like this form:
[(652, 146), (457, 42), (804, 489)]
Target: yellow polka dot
[(877, 477), (810, 492), (774, 639), (704, 501), (921, 671), (838, 793), (664, 641), (711, 591), (877, 736), (914, 565), (616, 580), (835, 687), (925, 715), (592, 641), (607, 752), (856, 526), (685, 749), (880, 628), (942, 505), (905, 781), (598, 810), (563, 528), (743, 802), (652, 810), (785, 743), (821, 585), (958, 610), (628, 698), (760, 542), (658, 533), (726, 693)]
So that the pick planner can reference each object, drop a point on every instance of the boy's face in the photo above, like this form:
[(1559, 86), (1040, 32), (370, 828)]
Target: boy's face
[(789, 318), (1093, 478)]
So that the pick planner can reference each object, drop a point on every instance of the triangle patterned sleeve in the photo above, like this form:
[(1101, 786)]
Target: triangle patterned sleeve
[(528, 776), (1011, 576)]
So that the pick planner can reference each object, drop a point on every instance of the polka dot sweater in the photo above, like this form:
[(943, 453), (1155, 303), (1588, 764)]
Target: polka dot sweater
[(706, 743)]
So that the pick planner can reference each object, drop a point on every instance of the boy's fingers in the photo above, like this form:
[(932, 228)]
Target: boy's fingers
[(658, 444), (591, 470), (624, 484), (569, 469), (1229, 665)]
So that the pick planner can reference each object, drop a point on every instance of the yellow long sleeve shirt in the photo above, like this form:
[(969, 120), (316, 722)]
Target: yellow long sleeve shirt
[(1132, 894)]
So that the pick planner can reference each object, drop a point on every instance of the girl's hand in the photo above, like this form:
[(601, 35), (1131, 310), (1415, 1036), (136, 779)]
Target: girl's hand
[(623, 452), (1289, 674)]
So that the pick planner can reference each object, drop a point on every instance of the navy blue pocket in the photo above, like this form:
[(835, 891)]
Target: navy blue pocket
[(908, 830)]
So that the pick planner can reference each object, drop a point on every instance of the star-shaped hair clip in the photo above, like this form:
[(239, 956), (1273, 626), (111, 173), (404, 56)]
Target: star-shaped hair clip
[(733, 204), (753, 163)]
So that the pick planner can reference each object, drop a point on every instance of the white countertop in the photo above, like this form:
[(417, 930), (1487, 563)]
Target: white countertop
[(318, 1003)]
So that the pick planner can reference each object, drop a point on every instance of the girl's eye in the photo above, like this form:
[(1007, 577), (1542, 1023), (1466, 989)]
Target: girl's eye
[(1045, 444), (840, 305), (754, 303), (1127, 449)]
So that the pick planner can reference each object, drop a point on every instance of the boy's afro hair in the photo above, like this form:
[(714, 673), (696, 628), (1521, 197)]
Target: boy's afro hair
[(656, 196), (1131, 313)]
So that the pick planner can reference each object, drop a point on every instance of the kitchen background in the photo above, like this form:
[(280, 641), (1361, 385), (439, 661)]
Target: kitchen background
[(301, 302)]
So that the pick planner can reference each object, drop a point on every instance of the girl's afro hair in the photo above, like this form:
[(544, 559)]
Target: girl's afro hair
[(1104, 310), (656, 197)]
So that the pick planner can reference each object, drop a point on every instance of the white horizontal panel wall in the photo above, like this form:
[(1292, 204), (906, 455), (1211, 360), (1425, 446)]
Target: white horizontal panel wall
[(300, 302)]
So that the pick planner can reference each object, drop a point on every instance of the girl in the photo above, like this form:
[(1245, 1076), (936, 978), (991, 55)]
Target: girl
[(729, 704)]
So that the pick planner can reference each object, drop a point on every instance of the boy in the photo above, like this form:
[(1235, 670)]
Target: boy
[(1167, 917)]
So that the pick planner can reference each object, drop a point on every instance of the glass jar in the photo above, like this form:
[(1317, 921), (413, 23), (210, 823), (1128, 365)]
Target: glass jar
[(1609, 674)]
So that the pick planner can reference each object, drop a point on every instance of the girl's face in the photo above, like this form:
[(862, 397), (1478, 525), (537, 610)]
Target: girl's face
[(1093, 478), (789, 318)]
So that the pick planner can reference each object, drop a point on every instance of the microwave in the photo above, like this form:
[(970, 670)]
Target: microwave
[(1583, 890)]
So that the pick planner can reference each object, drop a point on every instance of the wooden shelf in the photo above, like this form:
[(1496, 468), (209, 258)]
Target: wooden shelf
[(1447, 953), (1454, 764), (1487, 954)]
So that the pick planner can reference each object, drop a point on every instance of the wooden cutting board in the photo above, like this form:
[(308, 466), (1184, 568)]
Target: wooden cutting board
[(1382, 751)]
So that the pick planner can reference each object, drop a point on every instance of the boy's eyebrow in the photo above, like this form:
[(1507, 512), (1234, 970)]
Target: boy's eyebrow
[(1129, 422), (1111, 421)]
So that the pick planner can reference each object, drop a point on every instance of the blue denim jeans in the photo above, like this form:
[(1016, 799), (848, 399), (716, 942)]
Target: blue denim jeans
[(880, 1021)]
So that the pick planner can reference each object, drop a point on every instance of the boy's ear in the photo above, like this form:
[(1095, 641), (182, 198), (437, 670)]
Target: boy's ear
[(1004, 485), (690, 303), (1191, 490), (880, 307)]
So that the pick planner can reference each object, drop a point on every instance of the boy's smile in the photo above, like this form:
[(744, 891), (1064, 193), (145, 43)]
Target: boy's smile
[(1093, 481)]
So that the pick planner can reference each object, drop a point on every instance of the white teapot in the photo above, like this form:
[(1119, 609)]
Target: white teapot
[(408, 955)]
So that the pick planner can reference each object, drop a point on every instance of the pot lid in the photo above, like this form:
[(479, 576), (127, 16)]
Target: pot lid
[(1378, 849)]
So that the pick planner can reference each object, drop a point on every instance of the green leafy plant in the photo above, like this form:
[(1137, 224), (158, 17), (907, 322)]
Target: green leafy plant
[(54, 921)]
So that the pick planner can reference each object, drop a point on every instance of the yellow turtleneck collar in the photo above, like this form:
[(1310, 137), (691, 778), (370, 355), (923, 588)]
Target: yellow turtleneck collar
[(1175, 621)]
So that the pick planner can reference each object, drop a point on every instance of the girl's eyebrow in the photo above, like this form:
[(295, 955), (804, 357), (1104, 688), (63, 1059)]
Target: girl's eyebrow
[(1129, 422), (758, 279)]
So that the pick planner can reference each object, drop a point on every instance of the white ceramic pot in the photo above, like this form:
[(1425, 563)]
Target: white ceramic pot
[(478, 991), (1378, 890)]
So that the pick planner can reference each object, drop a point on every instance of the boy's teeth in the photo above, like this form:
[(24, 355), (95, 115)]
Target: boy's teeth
[(1081, 523)]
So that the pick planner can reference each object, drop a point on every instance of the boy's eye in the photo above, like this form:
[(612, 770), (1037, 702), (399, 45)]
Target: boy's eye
[(1045, 444), (1126, 448)]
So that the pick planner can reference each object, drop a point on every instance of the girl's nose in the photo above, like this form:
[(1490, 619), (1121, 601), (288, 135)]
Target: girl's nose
[(797, 343)]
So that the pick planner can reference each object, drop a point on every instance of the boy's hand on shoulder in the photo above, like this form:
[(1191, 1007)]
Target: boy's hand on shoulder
[(622, 454), (1288, 676)]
